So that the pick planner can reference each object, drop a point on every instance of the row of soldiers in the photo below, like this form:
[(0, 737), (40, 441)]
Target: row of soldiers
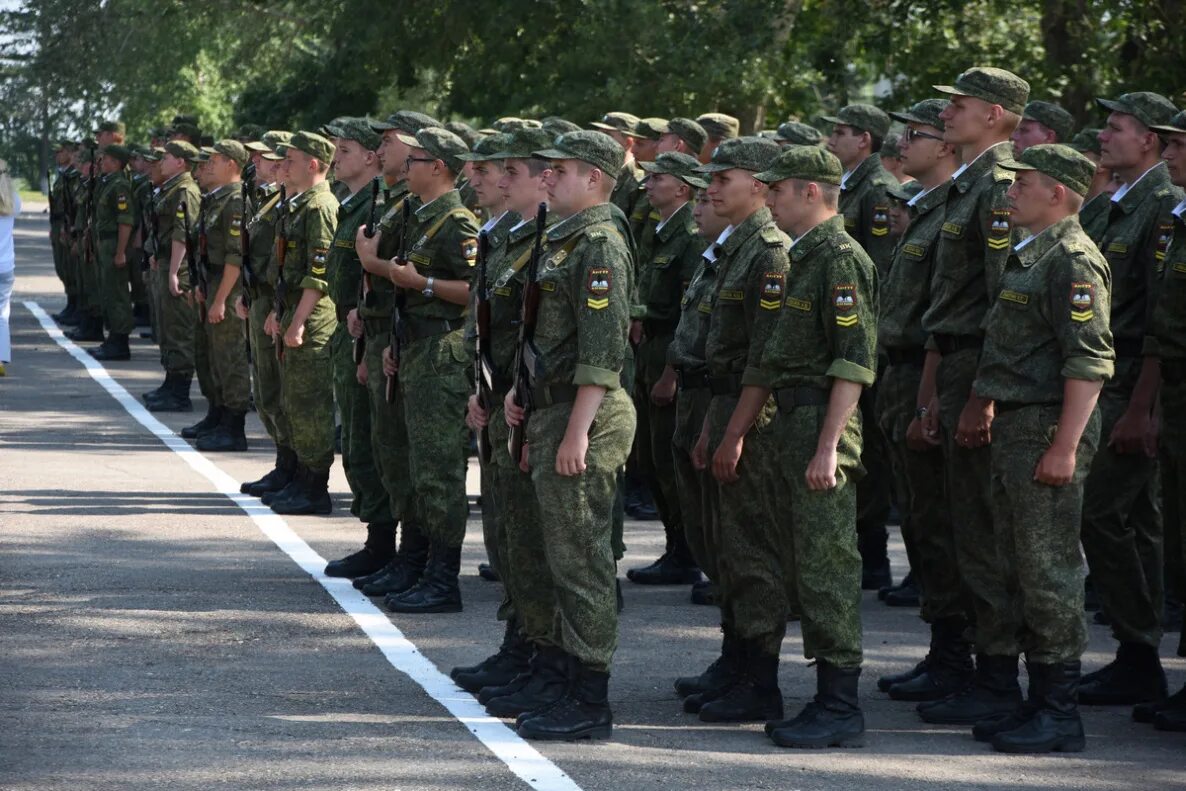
[(1016, 300)]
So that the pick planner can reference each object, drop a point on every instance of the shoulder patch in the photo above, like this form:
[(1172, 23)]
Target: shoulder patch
[(595, 235), (998, 229), (1165, 232), (844, 299), (236, 226), (879, 225), (1082, 301), (772, 288), (319, 255), (599, 281), (469, 249)]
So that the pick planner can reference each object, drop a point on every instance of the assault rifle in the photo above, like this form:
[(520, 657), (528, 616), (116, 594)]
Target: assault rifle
[(526, 354), (483, 360), (364, 283), (397, 310)]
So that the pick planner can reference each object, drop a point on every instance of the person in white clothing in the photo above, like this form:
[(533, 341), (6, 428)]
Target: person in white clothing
[(10, 207)]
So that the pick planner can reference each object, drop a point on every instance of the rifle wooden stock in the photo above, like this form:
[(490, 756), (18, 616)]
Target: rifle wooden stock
[(524, 356)]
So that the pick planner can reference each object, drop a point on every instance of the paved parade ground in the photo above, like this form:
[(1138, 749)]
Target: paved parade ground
[(157, 632)]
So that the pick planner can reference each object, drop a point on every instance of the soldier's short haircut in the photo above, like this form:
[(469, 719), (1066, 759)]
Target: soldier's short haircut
[(829, 192), (536, 166), (875, 143)]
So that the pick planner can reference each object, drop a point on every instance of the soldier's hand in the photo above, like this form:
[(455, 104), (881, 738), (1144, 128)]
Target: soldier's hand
[(513, 413), (121, 259), (663, 393), (367, 249), (295, 337), (700, 452), (152, 264), (361, 373), (174, 285), (216, 312), (271, 326), (919, 437), (931, 430), (402, 274), (974, 429), (821, 470), (725, 460), (475, 417), (635, 332), (524, 459), (354, 324), (570, 456), (389, 366), (240, 308), (1134, 433), (1056, 467)]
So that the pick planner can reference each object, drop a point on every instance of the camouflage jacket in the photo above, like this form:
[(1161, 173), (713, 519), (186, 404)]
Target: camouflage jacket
[(865, 206), (665, 267), (686, 351), (222, 220), (344, 268), (906, 289), (310, 220), (381, 300), (443, 243), (1169, 317)]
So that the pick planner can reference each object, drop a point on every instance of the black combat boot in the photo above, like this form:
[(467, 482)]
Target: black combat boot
[(230, 435), (986, 730), (209, 423), (404, 570), (295, 484), (753, 695), (175, 398), (67, 313), (311, 498), (582, 712), (158, 391), (875, 565), (113, 349), (1147, 712), (719, 673), (487, 572), (276, 478), (374, 555), (1170, 714), (438, 590), (90, 328), (1054, 725), (885, 591), (885, 683), (949, 665), (504, 666), (543, 683), (992, 692), (674, 567), (832, 719), (905, 595), (1136, 676)]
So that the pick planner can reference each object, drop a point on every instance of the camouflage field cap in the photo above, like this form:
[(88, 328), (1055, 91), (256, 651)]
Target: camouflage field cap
[(891, 146), (229, 148), (313, 144), (182, 150), (596, 148), (556, 126), (248, 132), (510, 123), (925, 112), (688, 130), (407, 121), (183, 128), (68, 145), (119, 152), (798, 133), (1060, 162), (678, 164), (466, 132), (744, 153), (1087, 141), (1151, 109), (1052, 117), (624, 123), (487, 148), (153, 154), (523, 143), (118, 127), (358, 130), (904, 192), (441, 144), (862, 117), (719, 125), (995, 86), (1176, 126), (652, 128), (804, 163)]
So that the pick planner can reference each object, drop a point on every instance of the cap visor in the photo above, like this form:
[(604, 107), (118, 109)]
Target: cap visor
[(715, 167), (907, 118), (769, 177), (695, 182), (831, 119), (1168, 130), (949, 90), (1013, 164), (605, 127), (1113, 105), (552, 153)]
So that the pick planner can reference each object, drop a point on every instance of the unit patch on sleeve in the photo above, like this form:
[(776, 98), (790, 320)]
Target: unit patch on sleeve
[(598, 285), (880, 224), (772, 286), (319, 254), (469, 248), (844, 298), (1082, 301), (998, 230)]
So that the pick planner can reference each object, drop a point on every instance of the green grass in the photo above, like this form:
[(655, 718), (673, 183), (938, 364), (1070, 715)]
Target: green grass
[(28, 194)]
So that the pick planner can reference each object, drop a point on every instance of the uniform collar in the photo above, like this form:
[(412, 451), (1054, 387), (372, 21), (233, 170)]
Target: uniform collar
[(602, 212), (970, 173), (1042, 242), (829, 228), (747, 228), (447, 202), (924, 202), (679, 218), (869, 165), (1152, 180)]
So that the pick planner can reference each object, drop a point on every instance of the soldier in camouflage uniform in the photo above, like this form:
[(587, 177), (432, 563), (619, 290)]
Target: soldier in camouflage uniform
[(796, 133), (143, 164), (973, 245), (751, 273), (904, 393), (1047, 353), (1168, 329), (178, 197), (668, 256), (718, 127), (821, 354), (1093, 216), (579, 434), (432, 364), (61, 196), (1122, 529), (222, 339), (623, 128), (308, 221), (857, 136), (115, 221), (1042, 122), (90, 325)]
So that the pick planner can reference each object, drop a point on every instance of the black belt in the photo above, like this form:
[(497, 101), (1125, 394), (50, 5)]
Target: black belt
[(729, 385), (1173, 372), (788, 398), (1001, 407), (1128, 348), (950, 344), (906, 356), (343, 311), (416, 328), (550, 395), (692, 381)]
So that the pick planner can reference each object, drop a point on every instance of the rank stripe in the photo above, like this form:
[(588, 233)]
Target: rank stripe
[(527, 763), (847, 321)]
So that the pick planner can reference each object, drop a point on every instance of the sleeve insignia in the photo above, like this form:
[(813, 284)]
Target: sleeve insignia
[(121, 202), (772, 287), (319, 254), (1163, 241), (998, 230), (236, 224), (844, 298), (599, 281), (469, 248), (1082, 301), (880, 225)]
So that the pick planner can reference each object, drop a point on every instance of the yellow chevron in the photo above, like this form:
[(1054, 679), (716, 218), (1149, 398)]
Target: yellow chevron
[(1082, 315), (847, 321), (879, 231), (770, 304), (597, 304), (998, 244)]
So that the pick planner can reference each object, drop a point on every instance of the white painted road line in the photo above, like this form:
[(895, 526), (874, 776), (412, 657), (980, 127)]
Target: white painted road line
[(519, 756)]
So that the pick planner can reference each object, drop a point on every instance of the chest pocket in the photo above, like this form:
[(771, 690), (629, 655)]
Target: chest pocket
[(1014, 299), (1119, 254), (662, 262), (914, 252)]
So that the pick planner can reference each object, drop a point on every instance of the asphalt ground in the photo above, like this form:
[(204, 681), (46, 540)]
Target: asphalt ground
[(158, 634)]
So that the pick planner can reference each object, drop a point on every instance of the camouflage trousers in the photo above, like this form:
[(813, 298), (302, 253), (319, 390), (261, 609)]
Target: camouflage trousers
[(222, 349), (875, 491), (576, 520), (693, 485), (370, 503), (753, 585), (919, 479), (307, 390), (136, 271), (63, 265), (1173, 473), (1037, 529), (90, 282), (969, 495), (152, 286), (265, 371), (652, 443), (1122, 529), (618, 535), (389, 433), (816, 536), (434, 387), (178, 321), (115, 290)]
